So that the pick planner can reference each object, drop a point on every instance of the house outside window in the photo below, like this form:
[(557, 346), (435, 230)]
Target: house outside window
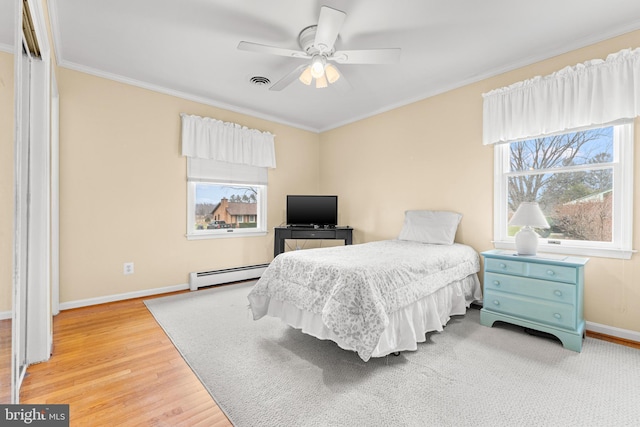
[(582, 181), (221, 209), (235, 209)]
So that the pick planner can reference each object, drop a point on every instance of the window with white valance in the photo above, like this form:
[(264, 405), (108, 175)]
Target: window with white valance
[(597, 92), (227, 176), (566, 141)]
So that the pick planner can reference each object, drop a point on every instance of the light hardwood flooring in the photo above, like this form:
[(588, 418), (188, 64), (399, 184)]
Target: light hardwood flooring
[(621, 341), (5, 361), (114, 366)]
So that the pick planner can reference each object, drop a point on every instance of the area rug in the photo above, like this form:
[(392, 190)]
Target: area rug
[(264, 373)]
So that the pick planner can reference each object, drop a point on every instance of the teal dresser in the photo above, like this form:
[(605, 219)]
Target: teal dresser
[(543, 292)]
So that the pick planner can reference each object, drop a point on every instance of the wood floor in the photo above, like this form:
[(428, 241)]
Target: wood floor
[(5, 361), (621, 341), (115, 366)]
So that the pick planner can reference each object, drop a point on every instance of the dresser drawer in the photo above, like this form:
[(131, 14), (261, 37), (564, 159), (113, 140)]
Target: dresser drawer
[(557, 273), (313, 234), (504, 266), (559, 292), (541, 311)]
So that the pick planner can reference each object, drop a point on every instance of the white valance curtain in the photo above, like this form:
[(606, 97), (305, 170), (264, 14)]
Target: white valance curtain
[(207, 138), (597, 92), (206, 170)]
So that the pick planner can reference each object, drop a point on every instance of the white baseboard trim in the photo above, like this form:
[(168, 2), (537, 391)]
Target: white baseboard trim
[(4, 315), (613, 331), (121, 297)]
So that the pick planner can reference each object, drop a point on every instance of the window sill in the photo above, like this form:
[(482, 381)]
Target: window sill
[(572, 250), (225, 235)]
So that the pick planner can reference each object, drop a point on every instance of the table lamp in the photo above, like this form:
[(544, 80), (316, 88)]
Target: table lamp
[(528, 216)]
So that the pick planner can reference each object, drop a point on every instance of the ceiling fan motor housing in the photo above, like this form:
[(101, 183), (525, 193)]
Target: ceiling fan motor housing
[(306, 40)]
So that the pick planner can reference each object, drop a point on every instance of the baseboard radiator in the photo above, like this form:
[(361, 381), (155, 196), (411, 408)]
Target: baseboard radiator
[(227, 275)]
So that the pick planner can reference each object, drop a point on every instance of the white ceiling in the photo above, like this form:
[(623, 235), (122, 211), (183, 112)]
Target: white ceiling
[(188, 47)]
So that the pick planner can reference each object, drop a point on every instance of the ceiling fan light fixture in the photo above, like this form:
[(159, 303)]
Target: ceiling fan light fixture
[(305, 76), (321, 82), (317, 44), (332, 73), (317, 66)]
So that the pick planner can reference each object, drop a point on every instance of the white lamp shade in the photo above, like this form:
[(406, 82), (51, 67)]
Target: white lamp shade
[(321, 82), (305, 76), (529, 214), (332, 73)]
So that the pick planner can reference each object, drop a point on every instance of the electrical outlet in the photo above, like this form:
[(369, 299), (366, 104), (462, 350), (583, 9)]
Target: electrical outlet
[(128, 268)]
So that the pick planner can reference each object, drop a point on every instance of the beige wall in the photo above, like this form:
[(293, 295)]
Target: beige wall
[(429, 155), (123, 189), (6, 179)]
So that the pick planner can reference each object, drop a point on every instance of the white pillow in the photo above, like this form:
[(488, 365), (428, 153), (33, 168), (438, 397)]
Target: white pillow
[(436, 227)]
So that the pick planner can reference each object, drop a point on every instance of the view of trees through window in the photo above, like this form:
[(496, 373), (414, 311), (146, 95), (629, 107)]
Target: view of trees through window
[(224, 206), (571, 177)]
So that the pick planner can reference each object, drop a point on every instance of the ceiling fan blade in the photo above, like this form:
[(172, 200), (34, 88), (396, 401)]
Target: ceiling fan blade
[(271, 50), (289, 78), (367, 56), (329, 25)]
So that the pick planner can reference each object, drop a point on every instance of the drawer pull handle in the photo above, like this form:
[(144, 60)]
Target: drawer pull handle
[(496, 283), (557, 315), (496, 302), (551, 273), (558, 293), (503, 266)]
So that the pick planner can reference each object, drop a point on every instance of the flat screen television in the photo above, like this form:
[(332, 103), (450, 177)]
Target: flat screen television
[(308, 211)]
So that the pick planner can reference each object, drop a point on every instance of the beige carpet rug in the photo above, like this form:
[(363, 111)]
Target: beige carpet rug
[(264, 373)]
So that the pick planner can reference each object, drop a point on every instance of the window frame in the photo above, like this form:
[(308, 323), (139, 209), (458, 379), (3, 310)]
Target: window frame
[(622, 233), (260, 230)]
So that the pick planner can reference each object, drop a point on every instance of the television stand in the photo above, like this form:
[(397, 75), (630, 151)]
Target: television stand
[(306, 233)]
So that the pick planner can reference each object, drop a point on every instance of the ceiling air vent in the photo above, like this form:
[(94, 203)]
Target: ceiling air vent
[(259, 80)]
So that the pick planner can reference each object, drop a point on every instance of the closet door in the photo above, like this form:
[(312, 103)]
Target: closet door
[(21, 218), (7, 160), (32, 315)]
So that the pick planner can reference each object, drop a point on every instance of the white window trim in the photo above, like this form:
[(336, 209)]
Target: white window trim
[(620, 247), (260, 230)]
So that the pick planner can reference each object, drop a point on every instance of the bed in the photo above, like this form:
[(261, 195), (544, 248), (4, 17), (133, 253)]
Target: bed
[(373, 298)]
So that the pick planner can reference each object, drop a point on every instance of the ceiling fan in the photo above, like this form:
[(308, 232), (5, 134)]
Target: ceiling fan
[(317, 44)]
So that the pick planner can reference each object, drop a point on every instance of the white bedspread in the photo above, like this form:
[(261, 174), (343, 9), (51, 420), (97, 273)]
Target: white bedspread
[(355, 288)]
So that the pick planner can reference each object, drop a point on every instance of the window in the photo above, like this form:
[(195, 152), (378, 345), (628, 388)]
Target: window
[(225, 200), (582, 181), (223, 208), (226, 177)]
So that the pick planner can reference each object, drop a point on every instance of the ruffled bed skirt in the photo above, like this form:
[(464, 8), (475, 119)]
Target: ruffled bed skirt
[(406, 327)]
